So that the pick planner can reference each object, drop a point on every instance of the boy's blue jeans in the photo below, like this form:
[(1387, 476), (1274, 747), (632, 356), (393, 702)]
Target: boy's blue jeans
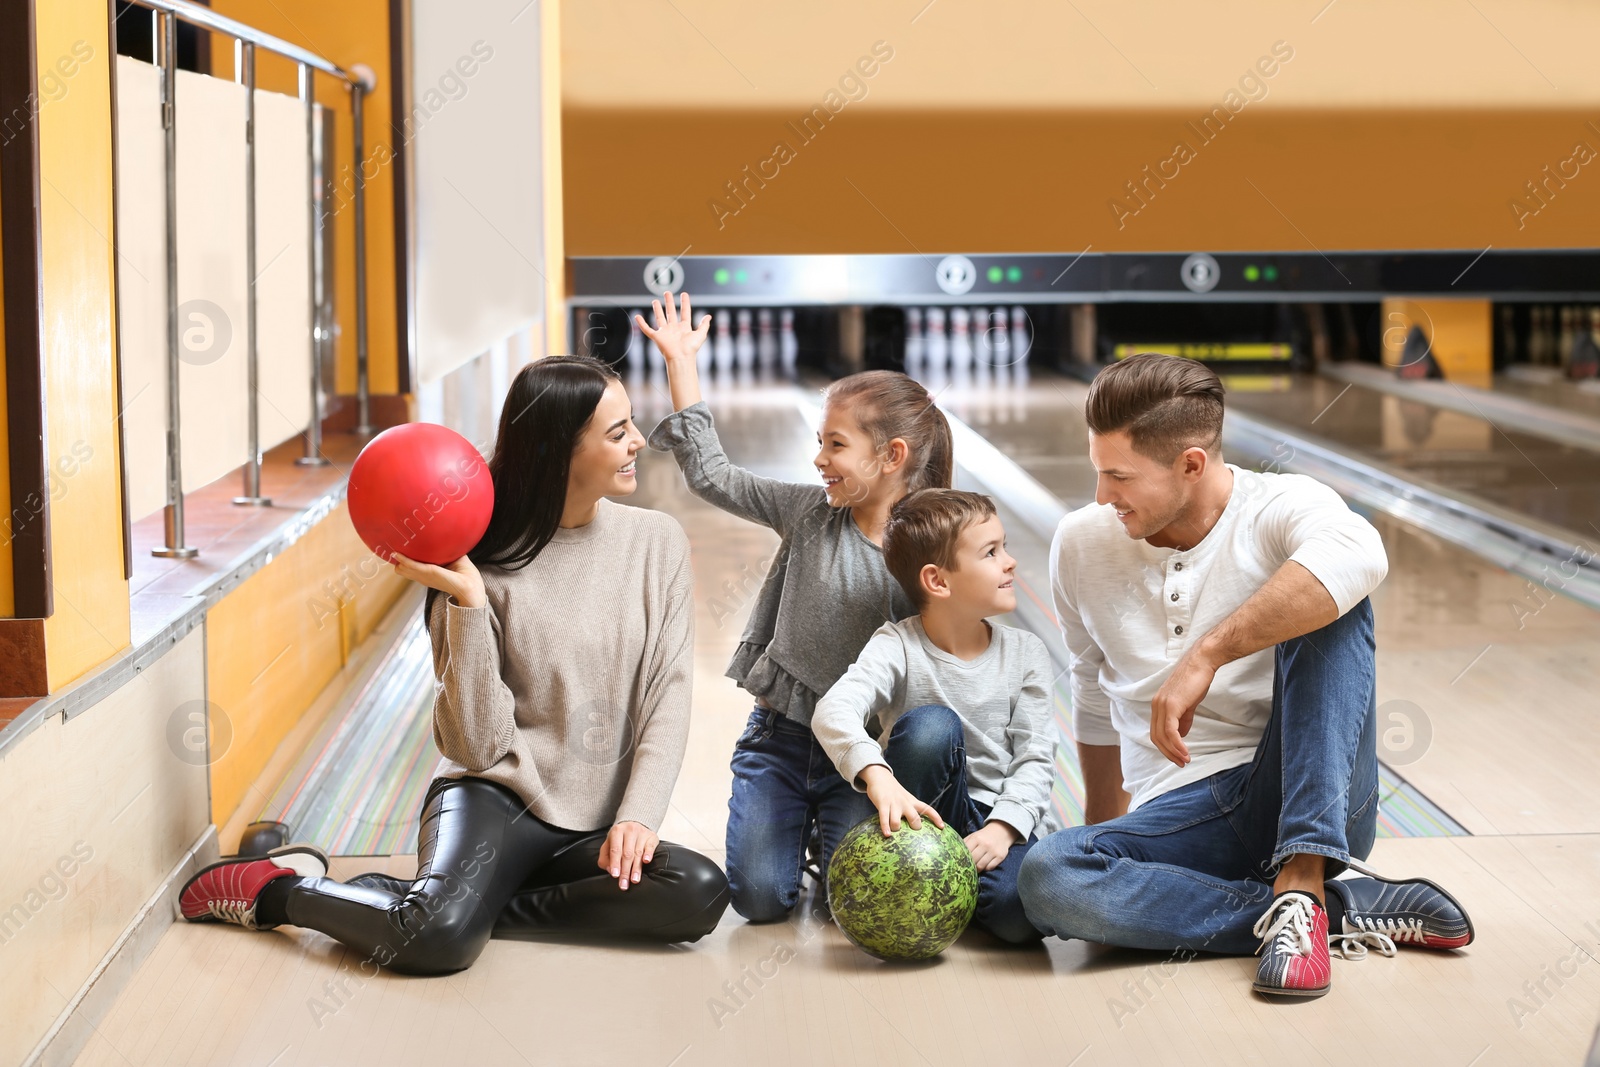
[(927, 752), (1192, 870)]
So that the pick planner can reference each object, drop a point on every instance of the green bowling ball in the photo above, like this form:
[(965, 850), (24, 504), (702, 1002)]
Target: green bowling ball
[(907, 896)]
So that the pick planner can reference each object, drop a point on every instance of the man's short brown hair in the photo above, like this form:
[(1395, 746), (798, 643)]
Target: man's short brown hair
[(1167, 404), (925, 527)]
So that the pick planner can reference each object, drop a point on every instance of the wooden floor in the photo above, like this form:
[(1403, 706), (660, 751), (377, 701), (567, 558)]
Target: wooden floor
[(1527, 992)]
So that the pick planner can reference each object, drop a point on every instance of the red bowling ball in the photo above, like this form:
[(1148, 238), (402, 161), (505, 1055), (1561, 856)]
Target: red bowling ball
[(421, 490)]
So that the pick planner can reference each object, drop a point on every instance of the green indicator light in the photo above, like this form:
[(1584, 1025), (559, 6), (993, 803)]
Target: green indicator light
[(1013, 274), (995, 274), (741, 276), (721, 276), (1251, 273), (1270, 273)]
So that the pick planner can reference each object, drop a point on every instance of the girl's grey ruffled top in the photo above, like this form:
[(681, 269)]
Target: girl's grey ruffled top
[(827, 589)]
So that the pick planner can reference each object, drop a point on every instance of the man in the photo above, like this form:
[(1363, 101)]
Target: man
[(1224, 702)]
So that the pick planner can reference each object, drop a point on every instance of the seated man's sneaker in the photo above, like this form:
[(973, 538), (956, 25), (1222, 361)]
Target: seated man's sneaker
[(1294, 947), (228, 891), (1416, 913)]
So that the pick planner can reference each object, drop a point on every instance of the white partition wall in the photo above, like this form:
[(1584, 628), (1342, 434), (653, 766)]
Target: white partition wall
[(473, 133), (213, 285), (142, 282), (283, 268)]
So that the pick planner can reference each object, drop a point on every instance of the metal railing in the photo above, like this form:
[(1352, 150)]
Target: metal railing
[(167, 14)]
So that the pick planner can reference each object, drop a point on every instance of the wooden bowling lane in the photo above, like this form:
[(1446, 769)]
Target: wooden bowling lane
[(1486, 682), (1467, 450)]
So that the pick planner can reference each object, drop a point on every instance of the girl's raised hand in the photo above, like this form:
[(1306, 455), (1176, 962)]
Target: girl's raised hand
[(460, 579), (675, 333)]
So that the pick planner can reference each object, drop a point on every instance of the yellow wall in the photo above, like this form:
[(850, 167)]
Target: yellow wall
[(274, 642), (90, 623), (1461, 332), (349, 32)]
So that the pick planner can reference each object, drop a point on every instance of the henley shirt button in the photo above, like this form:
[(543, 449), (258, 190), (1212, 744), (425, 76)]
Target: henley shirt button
[(1178, 630), (1177, 566), (1174, 596)]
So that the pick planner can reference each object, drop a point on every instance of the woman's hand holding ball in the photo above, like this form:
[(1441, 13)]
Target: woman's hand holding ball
[(459, 579)]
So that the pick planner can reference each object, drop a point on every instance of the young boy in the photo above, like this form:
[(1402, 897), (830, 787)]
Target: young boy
[(960, 703)]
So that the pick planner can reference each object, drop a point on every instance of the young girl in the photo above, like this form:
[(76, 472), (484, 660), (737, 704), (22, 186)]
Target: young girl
[(826, 593), (564, 649)]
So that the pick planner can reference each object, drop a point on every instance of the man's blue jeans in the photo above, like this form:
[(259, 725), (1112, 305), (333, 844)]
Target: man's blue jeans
[(782, 782), (1192, 869), (927, 751)]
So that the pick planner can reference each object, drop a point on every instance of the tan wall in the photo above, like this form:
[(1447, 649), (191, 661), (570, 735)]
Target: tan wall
[(98, 811), (277, 639), (1018, 126)]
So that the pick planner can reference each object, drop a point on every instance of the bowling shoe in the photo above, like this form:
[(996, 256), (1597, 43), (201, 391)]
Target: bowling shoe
[(1294, 947), (228, 891), (1413, 912)]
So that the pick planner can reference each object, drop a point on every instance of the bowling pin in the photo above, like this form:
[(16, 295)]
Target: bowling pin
[(1539, 343), (766, 343), (960, 343), (1000, 339), (636, 353), (744, 345), (788, 344), (936, 347), (1568, 333), (980, 338), (722, 357), (1508, 332), (1021, 338), (914, 366), (1021, 343)]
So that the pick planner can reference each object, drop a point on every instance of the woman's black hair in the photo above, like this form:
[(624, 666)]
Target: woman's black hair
[(550, 402)]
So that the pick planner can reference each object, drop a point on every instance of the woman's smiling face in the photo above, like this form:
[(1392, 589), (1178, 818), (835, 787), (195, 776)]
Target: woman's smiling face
[(603, 462)]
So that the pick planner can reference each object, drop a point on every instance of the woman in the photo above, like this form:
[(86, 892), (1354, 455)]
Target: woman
[(564, 669)]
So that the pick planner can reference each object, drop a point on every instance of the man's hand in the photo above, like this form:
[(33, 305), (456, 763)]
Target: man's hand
[(894, 802), (990, 844), (1172, 709), (627, 848)]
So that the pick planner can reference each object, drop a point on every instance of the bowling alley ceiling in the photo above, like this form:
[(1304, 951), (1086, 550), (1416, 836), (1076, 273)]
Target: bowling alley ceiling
[(733, 54), (923, 126)]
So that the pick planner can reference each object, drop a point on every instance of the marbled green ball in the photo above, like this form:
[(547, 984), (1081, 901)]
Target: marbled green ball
[(907, 896)]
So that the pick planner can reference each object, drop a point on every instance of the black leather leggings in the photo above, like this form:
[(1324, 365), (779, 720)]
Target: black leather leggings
[(486, 865)]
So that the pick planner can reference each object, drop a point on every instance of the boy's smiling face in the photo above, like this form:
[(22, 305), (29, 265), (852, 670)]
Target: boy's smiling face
[(983, 580)]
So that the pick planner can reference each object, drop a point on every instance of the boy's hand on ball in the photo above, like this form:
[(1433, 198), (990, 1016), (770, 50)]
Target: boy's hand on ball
[(894, 802), (990, 844), (673, 333), (460, 579)]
